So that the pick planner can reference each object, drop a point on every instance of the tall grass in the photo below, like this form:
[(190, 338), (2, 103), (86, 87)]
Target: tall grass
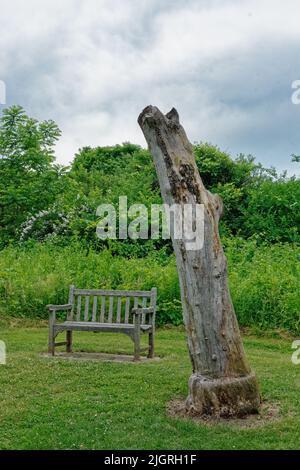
[(264, 280), (32, 277), (265, 284)]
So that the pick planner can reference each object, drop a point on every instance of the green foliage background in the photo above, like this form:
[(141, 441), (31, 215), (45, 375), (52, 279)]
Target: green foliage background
[(48, 226)]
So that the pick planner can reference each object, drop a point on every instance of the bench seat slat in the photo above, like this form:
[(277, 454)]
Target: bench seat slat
[(102, 309), (82, 323), (144, 305), (111, 309), (127, 306), (95, 301), (86, 308), (78, 308), (119, 309), (94, 326)]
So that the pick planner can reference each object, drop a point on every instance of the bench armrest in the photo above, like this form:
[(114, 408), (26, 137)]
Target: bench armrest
[(141, 310), (137, 312), (56, 308)]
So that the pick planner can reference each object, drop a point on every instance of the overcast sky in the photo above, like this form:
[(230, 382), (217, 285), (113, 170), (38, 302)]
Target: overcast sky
[(93, 65)]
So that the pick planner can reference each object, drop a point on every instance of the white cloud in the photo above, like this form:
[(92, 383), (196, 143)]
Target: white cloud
[(93, 65)]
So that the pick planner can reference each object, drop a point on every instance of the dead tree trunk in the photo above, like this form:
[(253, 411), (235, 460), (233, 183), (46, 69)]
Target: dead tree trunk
[(222, 382)]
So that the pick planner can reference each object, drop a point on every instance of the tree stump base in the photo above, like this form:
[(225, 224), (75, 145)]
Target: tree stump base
[(223, 397)]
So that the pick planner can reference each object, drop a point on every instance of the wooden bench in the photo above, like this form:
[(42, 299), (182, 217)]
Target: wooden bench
[(117, 311)]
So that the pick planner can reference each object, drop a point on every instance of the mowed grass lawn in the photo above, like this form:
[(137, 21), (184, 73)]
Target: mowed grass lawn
[(62, 404)]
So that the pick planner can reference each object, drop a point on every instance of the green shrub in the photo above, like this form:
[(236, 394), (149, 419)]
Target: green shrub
[(264, 283), (273, 211), (264, 280), (34, 276)]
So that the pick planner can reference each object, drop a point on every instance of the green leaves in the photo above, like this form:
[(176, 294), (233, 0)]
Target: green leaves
[(273, 211), (24, 142), (28, 179), (257, 201)]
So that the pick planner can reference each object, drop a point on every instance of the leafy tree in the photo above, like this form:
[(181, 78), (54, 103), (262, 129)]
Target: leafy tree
[(28, 178), (39, 199), (248, 189), (105, 159), (257, 201)]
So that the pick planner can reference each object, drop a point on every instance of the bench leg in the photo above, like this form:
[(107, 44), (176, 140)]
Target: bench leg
[(51, 342), (137, 345), (69, 341), (151, 345)]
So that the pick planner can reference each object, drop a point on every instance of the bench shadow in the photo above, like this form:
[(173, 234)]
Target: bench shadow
[(102, 357)]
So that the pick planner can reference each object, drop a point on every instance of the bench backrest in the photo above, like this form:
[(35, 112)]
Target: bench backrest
[(110, 306)]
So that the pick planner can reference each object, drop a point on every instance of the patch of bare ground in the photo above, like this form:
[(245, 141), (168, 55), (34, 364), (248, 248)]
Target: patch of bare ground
[(269, 412)]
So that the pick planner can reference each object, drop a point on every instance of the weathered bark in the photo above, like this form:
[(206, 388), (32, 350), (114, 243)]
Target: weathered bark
[(222, 382)]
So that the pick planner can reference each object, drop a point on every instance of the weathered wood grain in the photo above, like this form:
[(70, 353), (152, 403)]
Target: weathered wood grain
[(215, 346), (113, 293), (132, 325)]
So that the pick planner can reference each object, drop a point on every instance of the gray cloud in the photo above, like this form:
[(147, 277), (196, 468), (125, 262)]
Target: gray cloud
[(92, 66)]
